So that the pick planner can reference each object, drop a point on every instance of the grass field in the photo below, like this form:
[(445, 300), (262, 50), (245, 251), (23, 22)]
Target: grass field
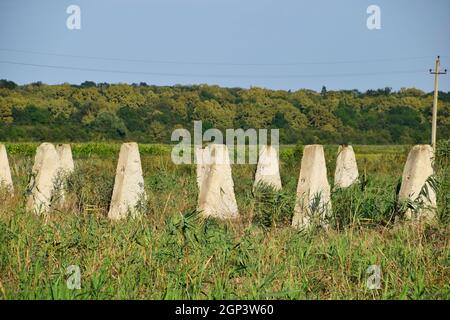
[(170, 253)]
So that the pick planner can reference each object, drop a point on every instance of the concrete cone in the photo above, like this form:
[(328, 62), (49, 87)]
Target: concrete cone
[(44, 178), (346, 172), (129, 183), (417, 170), (216, 196), (65, 158), (313, 189), (268, 171), (5, 172), (66, 167)]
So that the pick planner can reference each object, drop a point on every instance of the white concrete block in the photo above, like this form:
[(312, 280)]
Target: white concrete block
[(313, 190), (268, 170), (128, 184), (346, 172), (65, 158), (216, 196), (5, 172), (44, 179), (418, 168)]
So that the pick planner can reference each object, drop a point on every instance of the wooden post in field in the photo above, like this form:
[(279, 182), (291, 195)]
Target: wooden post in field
[(435, 100)]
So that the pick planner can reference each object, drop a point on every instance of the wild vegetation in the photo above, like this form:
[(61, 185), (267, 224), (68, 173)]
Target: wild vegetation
[(149, 114), (171, 253)]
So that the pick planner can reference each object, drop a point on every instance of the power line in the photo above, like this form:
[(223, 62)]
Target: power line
[(267, 76), (175, 62)]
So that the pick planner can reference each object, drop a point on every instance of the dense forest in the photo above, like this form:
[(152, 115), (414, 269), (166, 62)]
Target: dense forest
[(146, 113)]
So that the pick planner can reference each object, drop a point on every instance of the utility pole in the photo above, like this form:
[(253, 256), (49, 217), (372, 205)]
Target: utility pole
[(435, 101)]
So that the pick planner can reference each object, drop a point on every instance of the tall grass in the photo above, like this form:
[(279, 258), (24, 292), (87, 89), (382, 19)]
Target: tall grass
[(171, 253)]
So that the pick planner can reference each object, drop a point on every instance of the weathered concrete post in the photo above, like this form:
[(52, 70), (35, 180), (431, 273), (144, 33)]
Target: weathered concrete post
[(202, 159), (44, 178), (66, 167), (268, 171), (5, 172), (129, 183), (418, 168), (216, 196), (65, 158), (346, 172), (313, 190)]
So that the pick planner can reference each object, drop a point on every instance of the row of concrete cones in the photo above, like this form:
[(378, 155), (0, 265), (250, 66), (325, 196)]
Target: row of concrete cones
[(214, 179)]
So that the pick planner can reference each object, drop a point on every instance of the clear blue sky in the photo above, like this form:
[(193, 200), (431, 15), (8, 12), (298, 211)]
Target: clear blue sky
[(280, 44)]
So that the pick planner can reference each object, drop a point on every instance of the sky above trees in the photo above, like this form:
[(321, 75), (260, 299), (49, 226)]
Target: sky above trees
[(275, 44)]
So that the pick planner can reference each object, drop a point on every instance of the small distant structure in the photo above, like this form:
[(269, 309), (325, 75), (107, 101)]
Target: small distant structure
[(346, 172), (268, 170), (65, 158)]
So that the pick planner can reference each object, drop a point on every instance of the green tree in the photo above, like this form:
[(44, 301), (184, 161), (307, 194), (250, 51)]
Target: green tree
[(109, 125)]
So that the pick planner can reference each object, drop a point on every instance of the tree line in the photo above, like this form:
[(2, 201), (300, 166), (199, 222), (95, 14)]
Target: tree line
[(147, 113)]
